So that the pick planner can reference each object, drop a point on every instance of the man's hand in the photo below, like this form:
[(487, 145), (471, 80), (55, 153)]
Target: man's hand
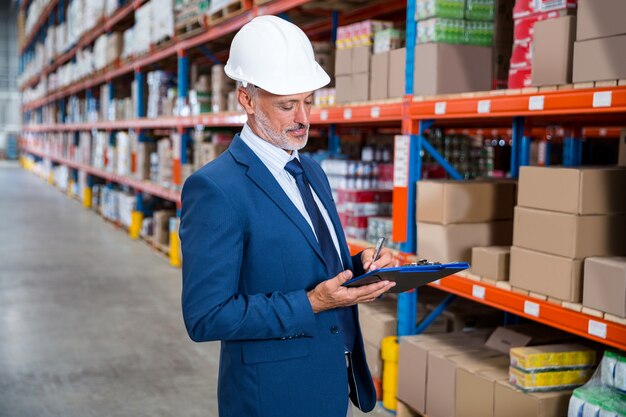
[(385, 260), (331, 294)]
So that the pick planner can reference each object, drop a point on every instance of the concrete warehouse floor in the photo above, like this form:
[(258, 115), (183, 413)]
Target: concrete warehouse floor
[(90, 321)]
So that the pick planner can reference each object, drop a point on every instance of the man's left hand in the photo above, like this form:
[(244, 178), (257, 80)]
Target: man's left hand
[(385, 259)]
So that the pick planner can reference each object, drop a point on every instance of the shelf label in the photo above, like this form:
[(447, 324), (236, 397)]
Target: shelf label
[(530, 308), (535, 103), (597, 328), (401, 161), (375, 112), (478, 291), (440, 107), (347, 114), (324, 114), (484, 106), (602, 99)]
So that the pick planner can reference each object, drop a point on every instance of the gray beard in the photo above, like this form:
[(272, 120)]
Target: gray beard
[(277, 137)]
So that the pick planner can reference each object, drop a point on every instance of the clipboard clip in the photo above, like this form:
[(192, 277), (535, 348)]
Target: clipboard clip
[(422, 262)]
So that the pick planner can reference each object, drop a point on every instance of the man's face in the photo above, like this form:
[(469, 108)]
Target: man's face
[(280, 120)]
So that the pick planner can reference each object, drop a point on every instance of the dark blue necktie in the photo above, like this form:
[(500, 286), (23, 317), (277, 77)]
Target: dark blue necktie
[(325, 241)]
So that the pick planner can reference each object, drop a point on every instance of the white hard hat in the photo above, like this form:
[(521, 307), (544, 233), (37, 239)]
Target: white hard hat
[(274, 55)]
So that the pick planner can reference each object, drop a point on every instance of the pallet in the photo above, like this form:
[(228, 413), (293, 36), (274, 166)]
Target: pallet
[(189, 27), (229, 10)]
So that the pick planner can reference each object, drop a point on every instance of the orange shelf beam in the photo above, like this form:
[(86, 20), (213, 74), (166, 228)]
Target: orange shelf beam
[(551, 314), (387, 111), (542, 103), (144, 186)]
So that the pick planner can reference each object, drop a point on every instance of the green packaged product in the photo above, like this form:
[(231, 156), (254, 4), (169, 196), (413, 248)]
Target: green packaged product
[(426, 9), (479, 33), (441, 30), (481, 10)]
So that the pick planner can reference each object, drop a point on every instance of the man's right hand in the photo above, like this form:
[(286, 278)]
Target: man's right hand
[(331, 294)]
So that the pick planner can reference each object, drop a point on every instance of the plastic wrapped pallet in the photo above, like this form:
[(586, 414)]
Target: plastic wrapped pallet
[(165, 162), (126, 204), (605, 393), (143, 29), (110, 6), (123, 153), (162, 21)]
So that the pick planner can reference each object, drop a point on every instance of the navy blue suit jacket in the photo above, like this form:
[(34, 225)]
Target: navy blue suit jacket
[(249, 257)]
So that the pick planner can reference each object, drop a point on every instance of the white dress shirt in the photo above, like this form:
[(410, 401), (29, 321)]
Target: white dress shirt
[(275, 159)]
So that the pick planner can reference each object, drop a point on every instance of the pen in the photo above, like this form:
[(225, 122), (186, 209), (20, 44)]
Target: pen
[(379, 246)]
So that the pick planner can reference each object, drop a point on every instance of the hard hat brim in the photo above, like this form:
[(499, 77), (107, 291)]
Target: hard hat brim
[(297, 84)]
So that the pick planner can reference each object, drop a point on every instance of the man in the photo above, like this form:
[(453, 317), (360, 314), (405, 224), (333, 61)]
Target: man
[(264, 253)]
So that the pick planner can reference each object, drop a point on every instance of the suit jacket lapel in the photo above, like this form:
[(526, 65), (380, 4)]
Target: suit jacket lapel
[(262, 177), (327, 200)]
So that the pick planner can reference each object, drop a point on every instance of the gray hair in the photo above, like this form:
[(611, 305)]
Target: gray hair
[(251, 89)]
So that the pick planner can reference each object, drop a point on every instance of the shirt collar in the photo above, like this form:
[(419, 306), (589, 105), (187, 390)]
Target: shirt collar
[(271, 155)]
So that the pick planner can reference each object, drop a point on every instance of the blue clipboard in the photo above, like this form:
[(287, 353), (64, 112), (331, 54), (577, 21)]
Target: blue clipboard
[(408, 277)]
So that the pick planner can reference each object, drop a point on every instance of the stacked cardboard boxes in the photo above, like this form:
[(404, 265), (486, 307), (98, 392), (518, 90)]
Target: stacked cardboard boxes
[(526, 14), (455, 216), (563, 216), (600, 41), (464, 374), (353, 60), (221, 85), (453, 46)]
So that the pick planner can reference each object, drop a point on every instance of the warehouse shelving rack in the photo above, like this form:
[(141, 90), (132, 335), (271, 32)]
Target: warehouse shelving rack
[(521, 112)]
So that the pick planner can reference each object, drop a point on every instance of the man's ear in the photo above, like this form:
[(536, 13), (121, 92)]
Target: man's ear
[(245, 100)]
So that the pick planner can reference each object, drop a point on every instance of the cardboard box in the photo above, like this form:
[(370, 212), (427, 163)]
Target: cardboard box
[(605, 285), (361, 57), (553, 276), (512, 402), (144, 149), (343, 62), (600, 18), (343, 88), (442, 68), (600, 59), (360, 86), (378, 320), (569, 235), (374, 360), (162, 226), (413, 361), (491, 262), (526, 334), (449, 201), (475, 391), (553, 51), (454, 242), (442, 372), (379, 80), (573, 190), (397, 73)]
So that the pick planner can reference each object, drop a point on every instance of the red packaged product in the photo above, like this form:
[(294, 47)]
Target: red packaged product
[(521, 55), (519, 77), (522, 8)]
